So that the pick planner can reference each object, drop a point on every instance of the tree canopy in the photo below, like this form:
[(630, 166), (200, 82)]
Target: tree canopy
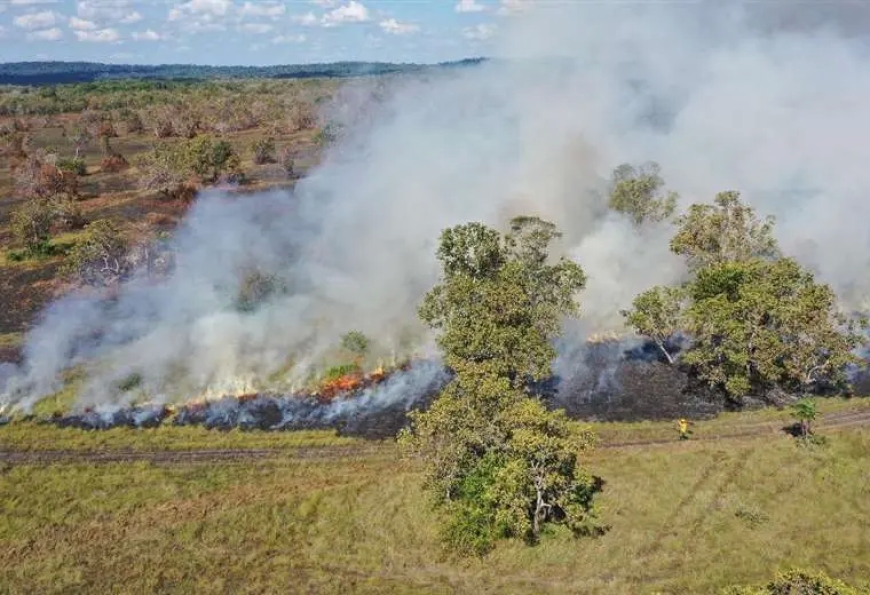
[(638, 192), (498, 461), (756, 319), (726, 231)]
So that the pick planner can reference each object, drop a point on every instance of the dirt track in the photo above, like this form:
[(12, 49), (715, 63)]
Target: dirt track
[(828, 422)]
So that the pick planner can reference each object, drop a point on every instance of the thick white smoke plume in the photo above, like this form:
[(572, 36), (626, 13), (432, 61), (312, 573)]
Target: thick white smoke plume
[(772, 100)]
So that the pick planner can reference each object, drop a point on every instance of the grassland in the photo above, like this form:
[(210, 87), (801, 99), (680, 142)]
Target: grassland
[(684, 517)]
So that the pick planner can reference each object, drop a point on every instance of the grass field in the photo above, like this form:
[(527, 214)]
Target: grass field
[(685, 517)]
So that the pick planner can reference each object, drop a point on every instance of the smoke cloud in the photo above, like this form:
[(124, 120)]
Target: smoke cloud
[(771, 99)]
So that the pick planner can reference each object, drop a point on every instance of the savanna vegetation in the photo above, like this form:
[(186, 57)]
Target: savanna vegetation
[(93, 176), (491, 489)]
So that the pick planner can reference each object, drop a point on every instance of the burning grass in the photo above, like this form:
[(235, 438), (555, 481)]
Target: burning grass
[(691, 517)]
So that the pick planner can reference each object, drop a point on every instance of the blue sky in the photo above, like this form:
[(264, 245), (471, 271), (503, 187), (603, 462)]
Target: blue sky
[(255, 32)]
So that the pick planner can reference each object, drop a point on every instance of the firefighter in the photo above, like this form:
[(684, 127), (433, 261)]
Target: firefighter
[(684, 429)]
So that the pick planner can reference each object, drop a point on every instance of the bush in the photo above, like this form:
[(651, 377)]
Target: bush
[(288, 164), (100, 257), (264, 151), (132, 121), (797, 582), (66, 212), (31, 225), (73, 165)]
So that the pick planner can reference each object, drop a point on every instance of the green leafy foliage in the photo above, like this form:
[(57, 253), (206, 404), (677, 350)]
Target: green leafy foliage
[(805, 411), (101, 256), (264, 151), (797, 582), (200, 160), (356, 343), (726, 231), (759, 324), (338, 371), (31, 225), (637, 192), (498, 461), (658, 314), (73, 165), (757, 320)]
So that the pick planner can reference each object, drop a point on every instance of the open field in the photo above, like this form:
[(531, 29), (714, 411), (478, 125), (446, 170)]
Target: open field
[(316, 513)]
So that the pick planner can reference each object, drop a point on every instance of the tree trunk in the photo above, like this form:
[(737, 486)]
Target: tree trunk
[(661, 345)]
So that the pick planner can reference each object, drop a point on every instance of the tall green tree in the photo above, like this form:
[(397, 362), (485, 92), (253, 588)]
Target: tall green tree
[(726, 231), (658, 314), (763, 324), (757, 320), (638, 192), (497, 460)]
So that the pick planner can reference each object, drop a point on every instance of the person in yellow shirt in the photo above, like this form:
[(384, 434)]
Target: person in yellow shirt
[(684, 429)]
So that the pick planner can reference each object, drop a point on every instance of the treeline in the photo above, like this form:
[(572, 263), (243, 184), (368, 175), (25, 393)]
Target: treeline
[(144, 94), (54, 73)]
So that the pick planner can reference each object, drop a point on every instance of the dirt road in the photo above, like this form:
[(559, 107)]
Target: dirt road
[(827, 423)]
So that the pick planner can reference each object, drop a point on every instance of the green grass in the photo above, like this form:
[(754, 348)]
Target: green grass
[(31, 436), (687, 517), (768, 420)]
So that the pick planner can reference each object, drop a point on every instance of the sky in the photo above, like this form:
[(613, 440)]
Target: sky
[(250, 32)]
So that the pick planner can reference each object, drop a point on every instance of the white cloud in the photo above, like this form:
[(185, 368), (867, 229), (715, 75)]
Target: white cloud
[(289, 39), (148, 35), (131, 17), (259, 28), (352, 12), (394, 27), (480, 32), (469, 6), (324, 3), (101, 36), (81, 24), (510, 7), (36, 20), (262, 9), (52, 34), (206, 8), (108, 11), (2, 31), (307, 19)]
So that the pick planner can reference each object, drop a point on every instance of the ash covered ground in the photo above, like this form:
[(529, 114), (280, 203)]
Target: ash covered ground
[(609, 383)]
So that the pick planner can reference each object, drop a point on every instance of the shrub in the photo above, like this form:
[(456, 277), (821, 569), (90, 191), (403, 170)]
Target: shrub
[(797, 582), (264, 151), (100, 256), (66, 212), (288, 163), (72, 165), (31, 225)]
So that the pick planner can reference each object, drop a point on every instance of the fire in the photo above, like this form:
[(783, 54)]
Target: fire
[(350, 383)]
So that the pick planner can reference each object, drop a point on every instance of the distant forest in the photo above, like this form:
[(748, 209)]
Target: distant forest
[(53, 73)]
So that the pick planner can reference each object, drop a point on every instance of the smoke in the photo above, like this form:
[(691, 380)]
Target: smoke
[(771, 99)]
